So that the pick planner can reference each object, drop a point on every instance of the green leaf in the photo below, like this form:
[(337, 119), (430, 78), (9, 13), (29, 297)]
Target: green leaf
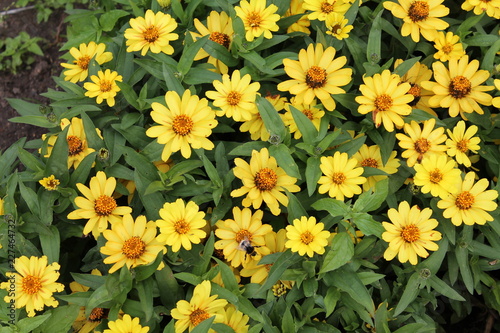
[(331, 299), (51, 242), (61, 319), (305, 126), (27, 325), (462, 255), (145, 293), (170, 289), (221, 53), (347, 280), (441, 287), (373, 49), (211, 171), (484, 250), (109, 19), (24, 108), (129, 94), (294, 208), (340, 252), (143, 272), (30, 198), (187, 57), (313, 173), (57, 164), (230, 282), (287, 322), (409, 294), (414, 328), (285, 260), (272, 120), (283, 156), (373, 198), (405, 66), (81, 174), (204, 326), (222, 328), (481, 40), (333, 206), (247, 148), (465, 27), (382, 319)]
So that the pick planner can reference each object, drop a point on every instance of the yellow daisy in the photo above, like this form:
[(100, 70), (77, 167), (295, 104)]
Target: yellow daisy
[(236, 319), (50, 183), (410, 234), (491, 7), (387, 98), (419, 17), (303, 23), (151, 32), (257, 18), (186, 122), (369, 156), (235, 96), (34, 283), (470, 203), (337, 26), (321, 9), (131, 243), (181, 225), (244, 227), (459, 88), (263, 180), (78, 70), (220, 28), (437, 174), (202, 306), (103, 86), (448, 46), (255, 126), (312, 111), (341, 178), (306, 236), (125, 325), (496, 101), (462, 141), (420, 143), (98, 205), (316, 74)]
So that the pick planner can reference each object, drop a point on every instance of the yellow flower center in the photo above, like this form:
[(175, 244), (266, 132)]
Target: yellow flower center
[(383, 102), (309, 114), (459, 87), (220, 38), (75, 145), (254, 19), (265, 179), (83, 62), (104, 205), (418, 11), (31, 284), (316, 77), (338, 178), (306, 237), (197, 316), (151, 34), (416, 91), (463, 145), (464, 200), (181, 227), (243, 234), (105, 85), (422, 146), (326, 7), (435, 176), (410, 233), (182, 125), (369, 162), (98, 314), (447, 48), (279, 289), (134, 247), (233, 98)]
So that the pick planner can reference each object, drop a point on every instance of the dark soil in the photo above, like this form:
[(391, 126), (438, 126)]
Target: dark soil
[(29, 82)]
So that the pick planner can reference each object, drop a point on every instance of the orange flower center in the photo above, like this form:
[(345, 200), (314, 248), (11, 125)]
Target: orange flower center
[(316, 77), (104, 205), (220, 38), (243, 234), (105, 85), (254, 19), (151, 34), (369, 162), (418, 11), (326, 7), (337, 29), (181, 227), (98, 314), (447, 48), (233, 98), (265, 179), (75, 145), (197, 316), (410, 233), (134, 247), (464, 200), (83, 62), (306, 237), (279, 289), (435, 176), (309, 114), (338, 178), (422, 146), (383, 102), (459, 87), (463, 145), (52, 184), (31, 284), (416, 91), (182, 125)]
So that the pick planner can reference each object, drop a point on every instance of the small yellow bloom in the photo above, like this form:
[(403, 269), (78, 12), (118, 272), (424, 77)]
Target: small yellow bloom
[(79, 69), (312, 111), (257, 18), (125, 325), (370, 156), (438, 175), (448, 46), (303, 22), (462, 141), (306, 236), (321, 9), (50, 183), (337, 26), (496, 101), (236, 319), (255, 126), (103, 86), (490, 7)]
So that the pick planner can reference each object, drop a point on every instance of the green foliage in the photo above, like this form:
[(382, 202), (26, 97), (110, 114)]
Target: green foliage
[(18, 52)]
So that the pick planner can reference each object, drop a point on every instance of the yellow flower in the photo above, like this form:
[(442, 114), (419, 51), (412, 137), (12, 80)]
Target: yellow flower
[(181, 225), (257, 18), (236, 319), (420, 143), (491, 7), (448, 46), (410, 234), (369, 156), (306, 236), (98, 206), (103, 86), (255, 126), (420, 17), (235, 96), (202, 306), (151, 32), (220, 28), (312, 111), (341, 178), (337, 26), (303, 22), (496, 101), (316, 74), (437, 174), (415, 76), (321, 9), (79, 69), (126, 325), (387, 98), (34, 283), (246, 227), (470, 203), (263, 180), (131, 243), (185, 123), (459, 88), (462, 141), (50, 183)]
